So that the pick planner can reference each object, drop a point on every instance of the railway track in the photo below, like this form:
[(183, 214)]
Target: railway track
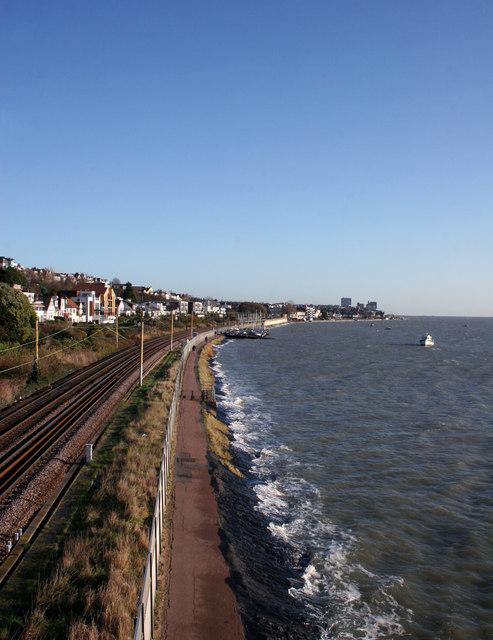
[(36, 405), (34, 431)]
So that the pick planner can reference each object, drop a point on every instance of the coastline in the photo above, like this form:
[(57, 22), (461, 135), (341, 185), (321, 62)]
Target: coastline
[(263, 568), (200, 603), (218, 433), (258, 568)]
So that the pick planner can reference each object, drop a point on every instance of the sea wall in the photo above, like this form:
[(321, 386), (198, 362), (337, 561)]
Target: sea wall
[(273, 322), (263, 568)]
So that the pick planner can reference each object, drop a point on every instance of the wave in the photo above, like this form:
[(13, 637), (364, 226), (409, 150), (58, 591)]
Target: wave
[(344, 439), (319, 572)]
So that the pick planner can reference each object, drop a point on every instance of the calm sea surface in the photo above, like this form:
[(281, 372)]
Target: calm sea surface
[(367, 507)]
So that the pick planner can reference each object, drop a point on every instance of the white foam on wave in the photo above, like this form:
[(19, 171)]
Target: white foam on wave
[(332, 575), (232, 405), (246, 422), (271, 499), (311, 579), (379, 627), (279, 531), (349, 616), (218, 370), (329, 587)]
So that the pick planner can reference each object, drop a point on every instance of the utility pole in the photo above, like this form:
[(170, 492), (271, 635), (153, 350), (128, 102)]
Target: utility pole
[(142, 350), (37, 343), (116, 328), (191, 323), (171, 342), (36, 373)]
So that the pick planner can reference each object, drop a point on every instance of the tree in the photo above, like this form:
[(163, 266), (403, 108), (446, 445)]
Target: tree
[(68, 283), (289, 308), (13, 276), (252, 307), (117, 286), (43, 281), (17, 317), (129, 293)]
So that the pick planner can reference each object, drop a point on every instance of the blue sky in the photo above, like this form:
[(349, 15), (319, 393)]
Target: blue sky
[(258, 150)]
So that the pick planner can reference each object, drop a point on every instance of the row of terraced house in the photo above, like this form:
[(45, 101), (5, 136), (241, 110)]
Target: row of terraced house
[(89, 302), (97, 302)]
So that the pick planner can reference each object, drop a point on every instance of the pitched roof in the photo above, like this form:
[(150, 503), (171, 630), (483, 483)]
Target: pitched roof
[(97, 287)]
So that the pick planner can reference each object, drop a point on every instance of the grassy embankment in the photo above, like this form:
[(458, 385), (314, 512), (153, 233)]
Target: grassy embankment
[(218, 434), (64, 347), (93, 587)]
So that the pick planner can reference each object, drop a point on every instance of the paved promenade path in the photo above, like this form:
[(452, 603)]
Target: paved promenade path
[(201, 605)]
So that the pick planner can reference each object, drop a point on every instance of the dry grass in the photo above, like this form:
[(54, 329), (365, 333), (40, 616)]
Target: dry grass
[(75, 359), (206, 377), (93, 591), (218, 434), (9, 390), (59, 355), (219, 440)]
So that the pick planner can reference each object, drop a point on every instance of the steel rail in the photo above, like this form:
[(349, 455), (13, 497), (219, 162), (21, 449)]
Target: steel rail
[(24, 406), (39, 434), (10, 563), (25, 453), (39, 402), (24, 456)]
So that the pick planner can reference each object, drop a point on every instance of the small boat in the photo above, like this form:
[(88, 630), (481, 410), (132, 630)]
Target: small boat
[(427, 341)]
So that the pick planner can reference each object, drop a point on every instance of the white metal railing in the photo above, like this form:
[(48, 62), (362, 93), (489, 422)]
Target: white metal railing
[(144, 621)]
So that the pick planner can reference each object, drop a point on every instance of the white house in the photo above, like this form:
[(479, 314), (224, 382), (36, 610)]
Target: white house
[(29, 295), (51, 306), (297, 316), (125, 308), (91, 307), (5, 263), (183, 307), (213, 307), (198, 308), (169, 295), (72, 310), (45, 309), (312, 313), (39, 310), (154, 309)]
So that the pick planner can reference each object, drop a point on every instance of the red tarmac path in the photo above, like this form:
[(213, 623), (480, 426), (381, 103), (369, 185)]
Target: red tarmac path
[(201, 605)]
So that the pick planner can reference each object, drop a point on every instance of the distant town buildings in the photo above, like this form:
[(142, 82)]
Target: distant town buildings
[(79, 297)]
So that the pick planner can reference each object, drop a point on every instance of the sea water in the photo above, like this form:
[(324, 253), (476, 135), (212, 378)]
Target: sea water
[(366, 510)]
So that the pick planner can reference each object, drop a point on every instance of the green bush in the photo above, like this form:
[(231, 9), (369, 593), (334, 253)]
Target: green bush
[(17, 317)]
